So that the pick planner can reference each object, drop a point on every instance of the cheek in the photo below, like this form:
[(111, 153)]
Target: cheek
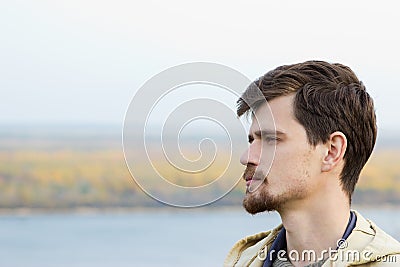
[(291, 166), (268, 155)]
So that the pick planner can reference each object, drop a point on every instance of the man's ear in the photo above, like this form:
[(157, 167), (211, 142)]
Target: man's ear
[(336, 147)]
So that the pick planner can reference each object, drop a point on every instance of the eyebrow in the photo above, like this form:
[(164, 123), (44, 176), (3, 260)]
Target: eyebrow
[(265, 132)]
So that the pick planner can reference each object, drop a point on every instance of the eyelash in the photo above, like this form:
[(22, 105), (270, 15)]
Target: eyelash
[(271, 138), (266, 138)]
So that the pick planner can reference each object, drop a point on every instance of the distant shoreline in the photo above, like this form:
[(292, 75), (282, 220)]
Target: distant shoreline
[(126, 210), (116, 210)]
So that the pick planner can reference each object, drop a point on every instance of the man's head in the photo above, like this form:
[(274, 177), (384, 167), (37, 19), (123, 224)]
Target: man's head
[(326, 101)]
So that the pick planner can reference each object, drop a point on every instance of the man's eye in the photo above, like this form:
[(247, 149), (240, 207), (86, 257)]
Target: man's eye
[(271, 139)]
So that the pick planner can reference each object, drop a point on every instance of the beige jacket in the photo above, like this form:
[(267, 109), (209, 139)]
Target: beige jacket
[(367, 246)]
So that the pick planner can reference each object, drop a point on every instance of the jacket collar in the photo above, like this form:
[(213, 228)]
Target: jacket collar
[(366, 243), (366, 238)]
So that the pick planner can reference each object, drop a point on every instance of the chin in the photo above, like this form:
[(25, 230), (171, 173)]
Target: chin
[(260, 201)]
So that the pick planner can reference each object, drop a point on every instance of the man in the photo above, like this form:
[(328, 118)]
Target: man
[(308, 145)]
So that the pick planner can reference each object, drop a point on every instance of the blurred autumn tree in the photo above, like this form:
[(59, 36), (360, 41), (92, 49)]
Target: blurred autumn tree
[(69, 173)]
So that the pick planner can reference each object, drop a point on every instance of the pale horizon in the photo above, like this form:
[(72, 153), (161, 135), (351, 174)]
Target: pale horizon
[(81, 62)]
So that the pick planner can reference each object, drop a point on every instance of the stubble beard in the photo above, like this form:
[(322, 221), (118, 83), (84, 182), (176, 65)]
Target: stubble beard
[(260, 199)]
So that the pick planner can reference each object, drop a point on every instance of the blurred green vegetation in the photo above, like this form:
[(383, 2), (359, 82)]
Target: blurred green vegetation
[(57, 177)]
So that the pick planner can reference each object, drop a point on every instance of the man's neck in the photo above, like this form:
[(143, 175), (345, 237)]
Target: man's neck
[(314, 225)]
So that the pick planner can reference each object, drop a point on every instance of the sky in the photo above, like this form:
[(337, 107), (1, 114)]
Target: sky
[(81, 62)]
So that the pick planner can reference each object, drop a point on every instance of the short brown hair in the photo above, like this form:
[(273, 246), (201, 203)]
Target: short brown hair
[(328, 98)]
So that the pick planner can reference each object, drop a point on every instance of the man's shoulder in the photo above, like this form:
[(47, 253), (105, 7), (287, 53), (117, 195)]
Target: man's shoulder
[(368, 245), (384, 246), (378, 238), (248, 248)]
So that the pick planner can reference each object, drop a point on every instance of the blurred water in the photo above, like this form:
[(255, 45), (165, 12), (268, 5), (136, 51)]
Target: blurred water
[(199, 237)]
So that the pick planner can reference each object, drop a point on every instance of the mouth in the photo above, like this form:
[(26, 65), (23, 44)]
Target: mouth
[(250, 180), (249, 175)]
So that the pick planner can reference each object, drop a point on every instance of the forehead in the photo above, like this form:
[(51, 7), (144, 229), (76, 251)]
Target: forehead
[(277, 114)]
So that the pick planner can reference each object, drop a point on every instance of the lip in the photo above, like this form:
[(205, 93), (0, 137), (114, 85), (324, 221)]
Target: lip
[(248, 179), (251, 180), (248, 182)]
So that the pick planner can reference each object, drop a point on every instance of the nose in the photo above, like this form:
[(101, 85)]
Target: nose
[(251, 155), (245, 157)]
